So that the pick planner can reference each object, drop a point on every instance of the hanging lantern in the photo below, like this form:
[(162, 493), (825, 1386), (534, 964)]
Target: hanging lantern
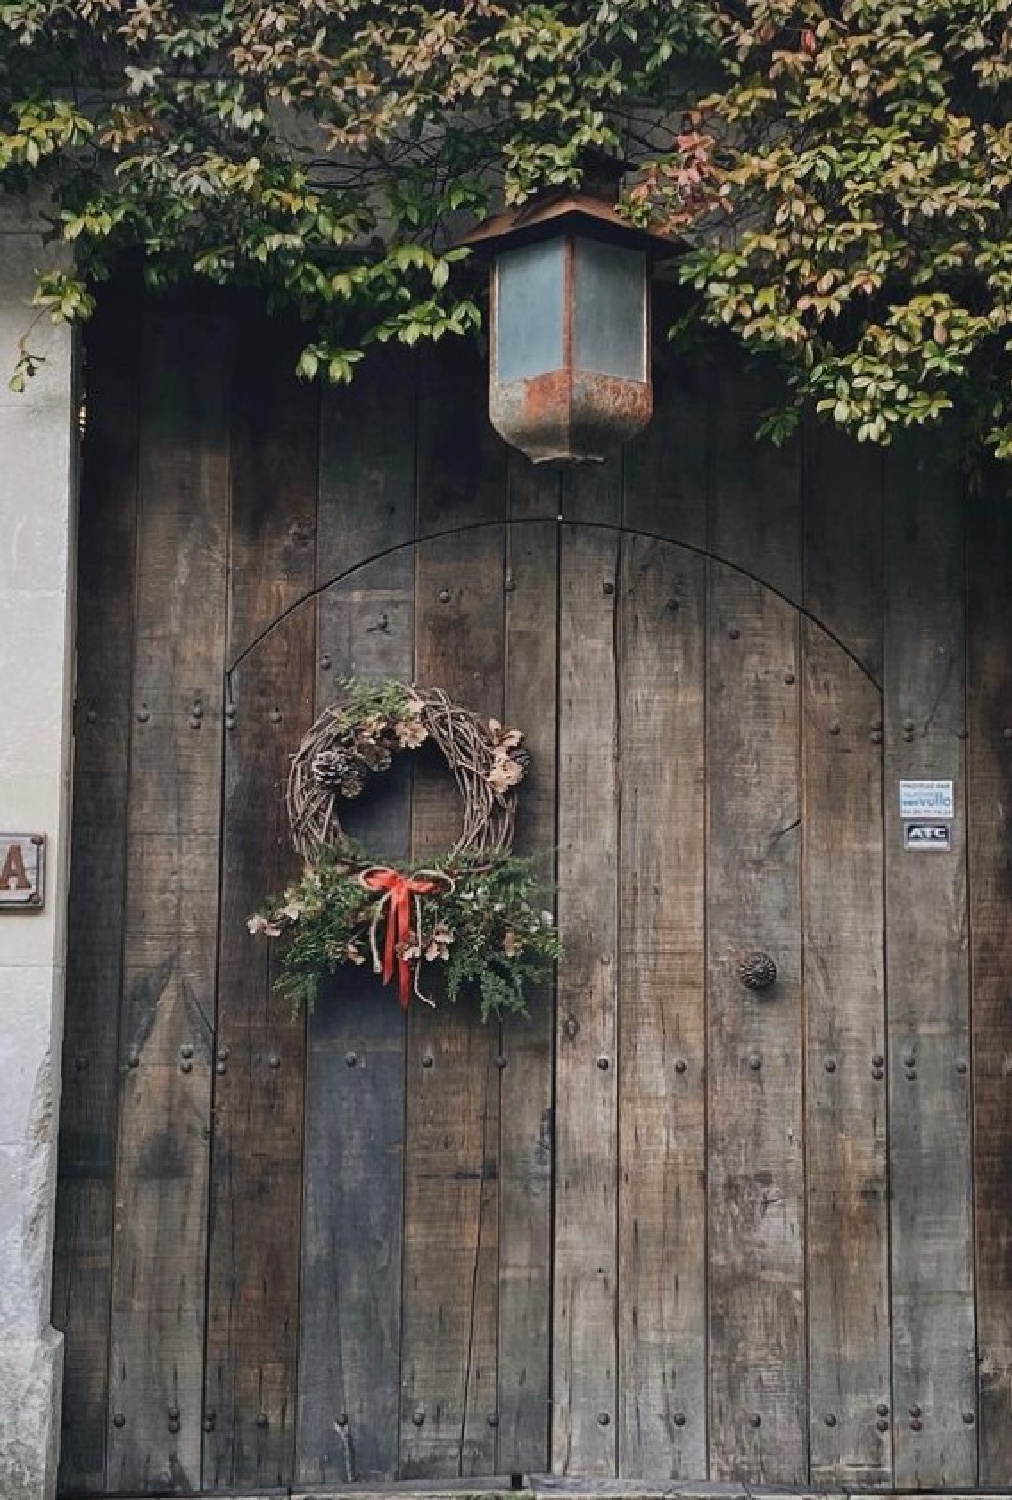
[(570, 326)]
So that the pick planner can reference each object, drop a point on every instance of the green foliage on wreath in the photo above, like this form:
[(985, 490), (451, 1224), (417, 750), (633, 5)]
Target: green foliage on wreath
[(485, 934), (386, 703)]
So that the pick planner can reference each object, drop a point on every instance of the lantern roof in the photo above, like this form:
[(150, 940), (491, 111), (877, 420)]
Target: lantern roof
[(550, 214)]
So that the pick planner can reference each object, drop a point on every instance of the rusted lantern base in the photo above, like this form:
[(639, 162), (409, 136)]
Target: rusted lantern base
[(569, 416)]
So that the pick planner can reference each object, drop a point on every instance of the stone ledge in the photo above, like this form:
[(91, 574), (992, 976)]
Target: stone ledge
[(31, 1377)]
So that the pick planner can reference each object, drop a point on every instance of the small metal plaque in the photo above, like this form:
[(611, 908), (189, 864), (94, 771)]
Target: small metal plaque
[(927, 799), (923, 837), (22, 871)]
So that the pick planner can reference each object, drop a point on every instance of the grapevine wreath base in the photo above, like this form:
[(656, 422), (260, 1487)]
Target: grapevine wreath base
[(477, 910)]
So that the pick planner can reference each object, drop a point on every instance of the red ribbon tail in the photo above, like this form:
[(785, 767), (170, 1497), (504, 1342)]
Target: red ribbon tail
[(404, 983), (400, 922), (390, 943), (399, 890)]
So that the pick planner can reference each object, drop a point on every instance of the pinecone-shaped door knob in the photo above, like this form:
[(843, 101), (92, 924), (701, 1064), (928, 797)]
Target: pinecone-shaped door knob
[(757, 971)]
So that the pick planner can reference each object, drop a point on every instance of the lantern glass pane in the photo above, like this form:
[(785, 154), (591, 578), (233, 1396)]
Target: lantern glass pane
[(610, 312), (529, 310)]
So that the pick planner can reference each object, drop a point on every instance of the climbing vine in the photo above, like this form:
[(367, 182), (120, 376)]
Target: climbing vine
[(837, 172)]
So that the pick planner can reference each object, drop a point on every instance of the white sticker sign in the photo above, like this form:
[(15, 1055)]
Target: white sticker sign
[(927, 799)]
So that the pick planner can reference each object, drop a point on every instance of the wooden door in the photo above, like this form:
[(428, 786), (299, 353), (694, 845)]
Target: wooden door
[(671, 1227)]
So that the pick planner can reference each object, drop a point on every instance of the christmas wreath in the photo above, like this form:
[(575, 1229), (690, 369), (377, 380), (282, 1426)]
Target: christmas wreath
[(476, 913)]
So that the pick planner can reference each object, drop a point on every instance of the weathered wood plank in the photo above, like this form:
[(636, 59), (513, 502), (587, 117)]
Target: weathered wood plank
[(451, 1212), (667, 466), (105, 604), (368, 450), (173, 805), (989, 775), (755, 487), (662, 1193), (592, 493), (533, 490), (350, 1315), (758, 1405), (585, 1353), (525, 1231), (926, 946), (256, 1187), (846, 1166), (462, 461), (843, 497)]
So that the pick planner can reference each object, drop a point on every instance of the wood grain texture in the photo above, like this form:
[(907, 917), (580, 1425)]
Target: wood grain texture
[(926, 946), (846, 1136), (525, 1185), (256, 1183), (368, 449), (451, 1211), (105, 602), (462, 461), (989, 627), (350, 1314), (758, 1397), (173, 802), (662, 1040), (585, 1361), (666, 479), (755, 488), (591, 494), (533, 491), (843, 499)]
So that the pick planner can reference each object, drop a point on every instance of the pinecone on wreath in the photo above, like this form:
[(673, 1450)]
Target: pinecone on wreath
[(523, 758), (340, 770), (376, 755)]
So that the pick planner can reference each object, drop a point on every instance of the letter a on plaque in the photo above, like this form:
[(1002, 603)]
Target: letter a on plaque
[(22, 864)]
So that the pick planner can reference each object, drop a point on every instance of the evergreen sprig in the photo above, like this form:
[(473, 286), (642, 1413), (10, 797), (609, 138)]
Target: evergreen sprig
[(485, 934)]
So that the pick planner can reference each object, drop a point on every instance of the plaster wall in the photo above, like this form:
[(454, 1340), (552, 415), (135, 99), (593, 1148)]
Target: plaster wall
[(37, 503)]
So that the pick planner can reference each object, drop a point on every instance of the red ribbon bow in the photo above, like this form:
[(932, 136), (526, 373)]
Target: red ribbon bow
[(398, 890)]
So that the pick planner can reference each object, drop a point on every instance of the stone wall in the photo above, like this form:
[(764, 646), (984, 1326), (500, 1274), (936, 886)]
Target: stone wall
[(37, 462)]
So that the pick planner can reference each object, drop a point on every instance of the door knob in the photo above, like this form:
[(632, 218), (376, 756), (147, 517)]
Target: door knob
[(757, 971)]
